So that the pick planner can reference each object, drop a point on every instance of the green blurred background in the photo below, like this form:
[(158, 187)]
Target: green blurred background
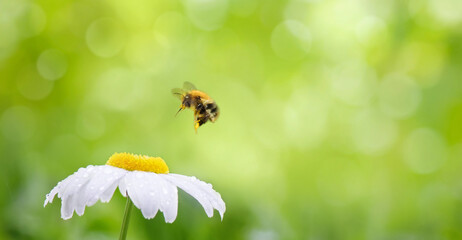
[(339, 119)]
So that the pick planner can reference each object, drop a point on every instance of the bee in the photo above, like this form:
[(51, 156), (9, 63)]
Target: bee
[(204, 107)]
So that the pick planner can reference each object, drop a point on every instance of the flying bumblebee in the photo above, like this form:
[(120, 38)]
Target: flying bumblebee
[(204, 107)]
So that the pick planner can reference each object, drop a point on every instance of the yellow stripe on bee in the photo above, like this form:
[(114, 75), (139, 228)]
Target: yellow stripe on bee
[(132, 162), (200, 94)]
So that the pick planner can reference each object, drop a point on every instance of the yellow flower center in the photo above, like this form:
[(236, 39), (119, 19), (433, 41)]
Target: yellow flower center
[(132, 162)]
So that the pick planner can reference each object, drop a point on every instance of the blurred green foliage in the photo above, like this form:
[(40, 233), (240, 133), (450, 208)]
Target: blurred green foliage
[(340, 119)]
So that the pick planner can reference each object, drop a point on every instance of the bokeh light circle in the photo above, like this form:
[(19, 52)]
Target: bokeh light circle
[(291, 40), (243, 8), (207, 14), (52, 64), (33, 87), (119, 89), (353, 83), (399, 96), (372, 132), (144, 52), (343, 188), (90, 124), (446, 11), (105, 37), (369, 29), (306, 105), (7, 41), (17, 123), (424, 151), (425, 61), (171, 28), (32, 20)]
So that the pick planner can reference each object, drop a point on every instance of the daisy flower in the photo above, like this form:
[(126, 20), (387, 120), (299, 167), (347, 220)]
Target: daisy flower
[(144, 180)]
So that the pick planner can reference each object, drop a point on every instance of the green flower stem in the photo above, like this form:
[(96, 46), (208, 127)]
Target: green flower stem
[(128, 210)]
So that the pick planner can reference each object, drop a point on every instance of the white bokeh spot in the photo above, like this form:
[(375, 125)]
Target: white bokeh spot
[(424, 151), (52, 64), (105, 37), (291, 40)]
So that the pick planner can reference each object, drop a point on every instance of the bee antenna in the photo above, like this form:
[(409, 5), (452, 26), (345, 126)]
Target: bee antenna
[(179, 110)]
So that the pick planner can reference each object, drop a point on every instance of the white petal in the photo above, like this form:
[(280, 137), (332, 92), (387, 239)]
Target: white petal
[(103, 184), (67, 188), (49, 197), (67, 207), (73, 196), (85, 187), (150, 193), (139, 188), (123, 187), (61, 186), (168, 196), (201, 191), (107, 195)]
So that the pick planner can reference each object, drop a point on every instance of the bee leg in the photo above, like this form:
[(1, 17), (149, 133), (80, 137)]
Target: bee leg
[(196, 122)]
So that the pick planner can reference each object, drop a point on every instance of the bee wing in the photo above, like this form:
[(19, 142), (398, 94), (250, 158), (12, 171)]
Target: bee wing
[(189, 86), (178, 92)]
